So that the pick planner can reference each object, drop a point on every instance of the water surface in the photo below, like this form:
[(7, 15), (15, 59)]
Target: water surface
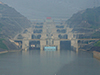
[(35, 62)]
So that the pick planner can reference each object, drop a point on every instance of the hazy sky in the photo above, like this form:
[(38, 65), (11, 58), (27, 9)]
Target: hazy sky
[(53, 8)]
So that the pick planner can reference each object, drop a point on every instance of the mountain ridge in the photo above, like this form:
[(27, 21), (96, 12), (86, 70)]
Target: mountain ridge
[(11, 21), (86, 21)]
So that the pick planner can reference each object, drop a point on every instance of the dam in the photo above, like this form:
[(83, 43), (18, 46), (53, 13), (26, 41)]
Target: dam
[(48, 33)]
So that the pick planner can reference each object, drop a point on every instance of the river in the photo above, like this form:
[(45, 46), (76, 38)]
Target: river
[(36, 62)]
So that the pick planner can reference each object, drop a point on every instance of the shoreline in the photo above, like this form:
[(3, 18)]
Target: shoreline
[(6, 51), (14, 50), (96, 55), (2, 52)]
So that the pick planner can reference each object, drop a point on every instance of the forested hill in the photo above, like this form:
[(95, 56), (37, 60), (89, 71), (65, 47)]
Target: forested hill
[(11, 21), (86, 18), (86, 21)]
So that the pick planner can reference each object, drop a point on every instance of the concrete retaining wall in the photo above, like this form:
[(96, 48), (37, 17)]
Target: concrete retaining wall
[(96, 54)]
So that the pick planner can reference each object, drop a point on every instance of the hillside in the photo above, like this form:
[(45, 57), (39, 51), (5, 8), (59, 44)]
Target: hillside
[(86, 21), (11, 21), (2, 45), (6, 45)]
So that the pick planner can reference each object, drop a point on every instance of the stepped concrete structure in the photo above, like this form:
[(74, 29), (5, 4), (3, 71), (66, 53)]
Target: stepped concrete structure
[(49, 32)]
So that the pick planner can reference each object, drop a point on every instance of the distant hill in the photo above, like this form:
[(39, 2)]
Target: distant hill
[(86, 18), (11, 21), (86, 21)]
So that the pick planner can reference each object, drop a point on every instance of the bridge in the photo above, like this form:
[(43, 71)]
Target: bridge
[(48, 32)]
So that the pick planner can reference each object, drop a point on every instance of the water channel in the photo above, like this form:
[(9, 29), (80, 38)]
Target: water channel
[(36, 62)]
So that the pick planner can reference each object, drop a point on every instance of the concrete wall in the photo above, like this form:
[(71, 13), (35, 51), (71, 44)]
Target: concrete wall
[(25, 44), (57, 43), (42, 44), (49, 28), (96, 54)]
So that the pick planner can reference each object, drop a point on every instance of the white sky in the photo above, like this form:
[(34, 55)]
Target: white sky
[(53, 8)]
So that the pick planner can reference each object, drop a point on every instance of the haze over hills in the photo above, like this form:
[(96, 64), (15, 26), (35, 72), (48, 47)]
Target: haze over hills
[(86, 21), (53, 8), (11, 21)]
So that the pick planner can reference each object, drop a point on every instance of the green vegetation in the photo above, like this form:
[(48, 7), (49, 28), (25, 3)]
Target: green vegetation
[(92, 16), (11, 21), (1, 25), (1, 7), (2, 45), (97, 44), (89, 18), (86, 21), (96, 35)]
